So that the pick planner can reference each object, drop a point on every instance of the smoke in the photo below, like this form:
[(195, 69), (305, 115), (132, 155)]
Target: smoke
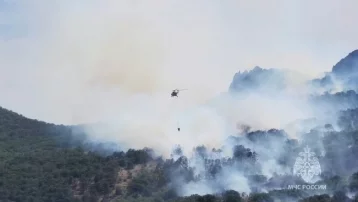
[(116, 62), (229, 180), (77, 53), (72, 52)]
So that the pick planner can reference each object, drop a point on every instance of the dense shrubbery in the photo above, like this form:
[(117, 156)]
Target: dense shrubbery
[(45, 162), (39, 162)]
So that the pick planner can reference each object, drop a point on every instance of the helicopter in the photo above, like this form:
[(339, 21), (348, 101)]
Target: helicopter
[(175, 92)]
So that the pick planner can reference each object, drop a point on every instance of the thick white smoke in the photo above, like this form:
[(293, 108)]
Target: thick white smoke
[(117, 62)]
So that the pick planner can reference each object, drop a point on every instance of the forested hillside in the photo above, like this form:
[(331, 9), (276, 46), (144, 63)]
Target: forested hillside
[(42, 162)]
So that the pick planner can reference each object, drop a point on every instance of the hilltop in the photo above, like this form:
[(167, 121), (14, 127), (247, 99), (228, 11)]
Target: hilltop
[(344, 74), (40, 161)]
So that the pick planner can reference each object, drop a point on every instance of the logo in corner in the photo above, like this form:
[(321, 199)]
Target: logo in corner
[(307, 165)]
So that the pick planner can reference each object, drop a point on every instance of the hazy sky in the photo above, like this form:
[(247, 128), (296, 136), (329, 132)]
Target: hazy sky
[(61, 58)]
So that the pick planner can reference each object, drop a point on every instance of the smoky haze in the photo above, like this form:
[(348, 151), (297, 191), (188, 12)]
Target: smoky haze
[(117, 62)]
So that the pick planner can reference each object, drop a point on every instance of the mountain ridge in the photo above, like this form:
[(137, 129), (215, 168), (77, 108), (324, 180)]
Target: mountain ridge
[(343, 74)]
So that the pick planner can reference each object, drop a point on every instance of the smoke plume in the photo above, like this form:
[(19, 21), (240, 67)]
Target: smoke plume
[(115, 63)]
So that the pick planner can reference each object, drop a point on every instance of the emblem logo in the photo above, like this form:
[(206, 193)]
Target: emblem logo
[(307, 165)]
